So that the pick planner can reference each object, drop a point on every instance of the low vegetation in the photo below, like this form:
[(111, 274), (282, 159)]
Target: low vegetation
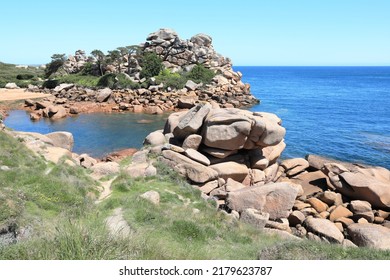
[(95, 73), (55, 203), (9, 73)]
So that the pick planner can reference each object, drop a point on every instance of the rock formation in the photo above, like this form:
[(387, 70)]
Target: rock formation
[(233, 157), (226, 88)]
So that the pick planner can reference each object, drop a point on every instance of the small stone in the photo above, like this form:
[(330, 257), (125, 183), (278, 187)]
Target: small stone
[(317, 204), (381, 213), (254, 217), (152, 196), (362, 221), (192, 142), (4, 168), (150, 171), (232, 185), (338, 212), (345, 221), (155, 138), (324, 214), (309, 212), (330, 198), (209, 186), (296, 217), (283, 225), (378, 220), (299, 205)]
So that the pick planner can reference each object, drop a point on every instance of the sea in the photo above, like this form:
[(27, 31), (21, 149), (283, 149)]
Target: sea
[(337, 112)]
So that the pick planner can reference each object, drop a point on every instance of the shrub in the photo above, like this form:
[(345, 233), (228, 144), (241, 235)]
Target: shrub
[(125, 82), (24, 76), (151, 65), (172, 80), (50, 84), (57, 60), (107, 80), (88, 69), (80, 79), (201, 74)]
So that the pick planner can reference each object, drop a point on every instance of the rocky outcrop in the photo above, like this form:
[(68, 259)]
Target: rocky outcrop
[(369, 184), (75, 63), (232, 156), (178, 55)]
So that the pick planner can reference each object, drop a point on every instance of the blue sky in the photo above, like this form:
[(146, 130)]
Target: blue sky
[(250, 32)]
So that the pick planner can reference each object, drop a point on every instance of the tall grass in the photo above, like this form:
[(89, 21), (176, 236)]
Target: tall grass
[(65, 224)]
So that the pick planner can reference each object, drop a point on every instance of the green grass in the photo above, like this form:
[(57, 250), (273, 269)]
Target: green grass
[(80, 80), (9, 73), (34, 189), (66, 224)]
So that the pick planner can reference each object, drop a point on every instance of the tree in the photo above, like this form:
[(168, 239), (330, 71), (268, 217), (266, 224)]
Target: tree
[(57, 60), (115, 58), (151, 65), (100, 60), (133, 51)]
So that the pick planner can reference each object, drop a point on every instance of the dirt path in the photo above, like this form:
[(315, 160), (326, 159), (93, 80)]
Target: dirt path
[(19, 94)]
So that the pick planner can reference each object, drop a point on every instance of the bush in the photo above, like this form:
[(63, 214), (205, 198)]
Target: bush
[(107, 80), (24, 76), (125, 82), (89, 69), (201, 74), (57, 61), (50, 84), (172, 80), (80, 79), (151, 65)]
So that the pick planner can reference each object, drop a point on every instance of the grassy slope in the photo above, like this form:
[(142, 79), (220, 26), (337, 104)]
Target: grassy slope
[(67, 225), (8, 73)]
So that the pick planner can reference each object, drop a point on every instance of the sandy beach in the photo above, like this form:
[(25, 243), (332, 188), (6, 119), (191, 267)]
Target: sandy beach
[(18, 94)]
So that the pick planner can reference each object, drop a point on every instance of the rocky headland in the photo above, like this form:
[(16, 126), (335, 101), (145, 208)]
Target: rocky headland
[(177, 55)]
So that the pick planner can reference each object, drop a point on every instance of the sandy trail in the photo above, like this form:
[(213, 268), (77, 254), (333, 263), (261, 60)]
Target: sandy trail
[(18, 94)]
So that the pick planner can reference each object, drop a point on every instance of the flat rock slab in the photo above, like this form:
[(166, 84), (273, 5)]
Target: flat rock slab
[(277, 199), (231, 169), (311, 182)]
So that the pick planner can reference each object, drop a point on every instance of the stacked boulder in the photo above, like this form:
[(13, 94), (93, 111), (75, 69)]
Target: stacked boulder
[(75, 63), (232, 156), (182, 55), (226, 88)]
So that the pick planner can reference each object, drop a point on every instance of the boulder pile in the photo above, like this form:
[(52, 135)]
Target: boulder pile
[(75, 63), (178, 55), (233, 157)]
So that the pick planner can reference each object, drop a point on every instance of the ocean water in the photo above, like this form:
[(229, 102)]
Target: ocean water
[(339, 112)]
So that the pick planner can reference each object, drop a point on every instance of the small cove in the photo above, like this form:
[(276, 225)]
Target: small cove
[(96, 134)]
